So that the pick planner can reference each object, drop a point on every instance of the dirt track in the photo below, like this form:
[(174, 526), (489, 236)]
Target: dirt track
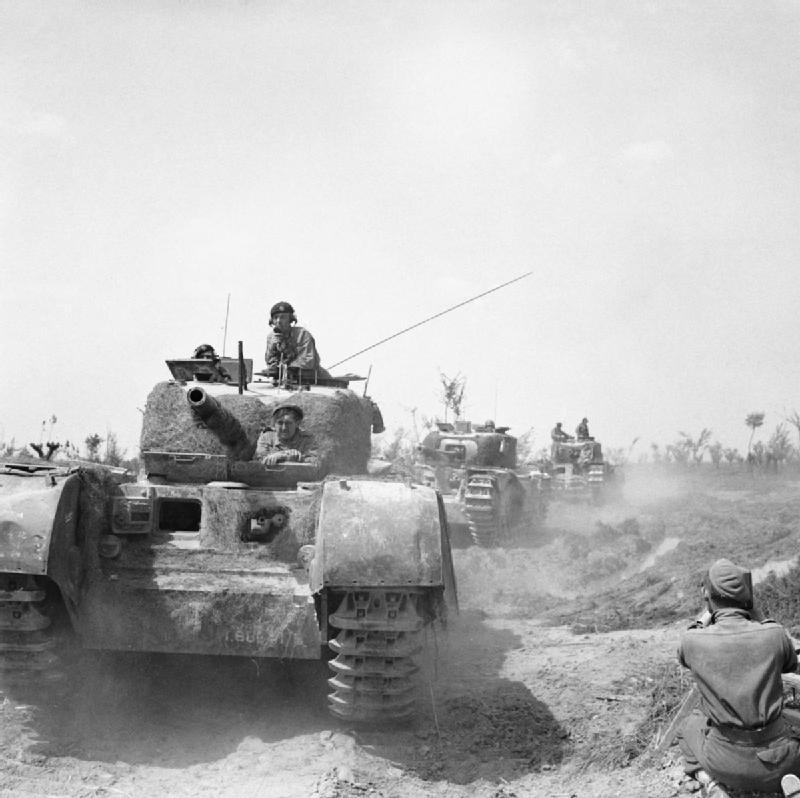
[(509, 704)]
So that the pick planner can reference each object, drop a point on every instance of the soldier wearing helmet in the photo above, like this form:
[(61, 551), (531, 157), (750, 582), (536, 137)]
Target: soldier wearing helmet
[(582, 430), (291, 346), (285, 442)]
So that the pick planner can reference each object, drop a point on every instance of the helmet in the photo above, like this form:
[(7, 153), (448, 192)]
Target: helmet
[(281, 307), (294, 409)]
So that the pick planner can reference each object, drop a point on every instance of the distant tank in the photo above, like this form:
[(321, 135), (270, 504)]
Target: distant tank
[(578, 470), (485, 491), (211, 552)]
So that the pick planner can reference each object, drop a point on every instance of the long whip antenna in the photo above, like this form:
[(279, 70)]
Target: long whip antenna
[(225, 333), (430, 318)]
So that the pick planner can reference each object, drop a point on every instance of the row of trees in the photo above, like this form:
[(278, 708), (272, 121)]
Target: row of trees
[(400, 446), (770, 453), (95, 449)]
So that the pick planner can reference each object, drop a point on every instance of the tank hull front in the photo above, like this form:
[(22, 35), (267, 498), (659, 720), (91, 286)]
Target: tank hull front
[(257, 613)]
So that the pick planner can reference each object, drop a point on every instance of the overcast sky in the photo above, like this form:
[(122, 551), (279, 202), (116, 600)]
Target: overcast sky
[(375, 163)]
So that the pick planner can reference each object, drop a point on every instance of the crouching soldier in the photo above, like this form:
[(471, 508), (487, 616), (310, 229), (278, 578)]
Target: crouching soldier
[(286, 442), (738, 737)]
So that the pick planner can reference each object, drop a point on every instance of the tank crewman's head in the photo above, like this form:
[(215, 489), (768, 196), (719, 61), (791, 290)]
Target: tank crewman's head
[(204, 352), (286, 420), (282, 317)]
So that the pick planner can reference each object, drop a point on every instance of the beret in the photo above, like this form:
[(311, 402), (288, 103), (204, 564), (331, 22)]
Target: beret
[(727, 582), (280, 307)]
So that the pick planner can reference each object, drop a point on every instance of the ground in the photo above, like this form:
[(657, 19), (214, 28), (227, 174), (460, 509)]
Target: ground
[(555, 679)]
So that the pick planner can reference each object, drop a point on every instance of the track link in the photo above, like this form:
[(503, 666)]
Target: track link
[(482, 508), (27, 642), (380, 632)]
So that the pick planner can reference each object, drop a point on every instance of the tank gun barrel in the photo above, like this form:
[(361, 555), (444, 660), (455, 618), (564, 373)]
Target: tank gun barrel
[(220, 421)]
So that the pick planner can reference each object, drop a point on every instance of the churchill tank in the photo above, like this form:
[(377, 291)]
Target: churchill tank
[(579, 471), (209, 551), (490, 499)]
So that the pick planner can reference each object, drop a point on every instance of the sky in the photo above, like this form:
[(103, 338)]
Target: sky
[(165, 166)]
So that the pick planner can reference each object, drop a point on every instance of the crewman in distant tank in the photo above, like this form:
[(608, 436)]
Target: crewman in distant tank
[(738, 735), (582, 430), (290, 345), (559, 435), (286, 442)]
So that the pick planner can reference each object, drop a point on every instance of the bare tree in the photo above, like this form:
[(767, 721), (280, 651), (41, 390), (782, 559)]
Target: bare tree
[(114, 454), (731, 455), (452, 393), (779, 447), (51, 446), (93, 447), (678, 452), (525, 447), (754, 421), (695, 447), (794, 420)]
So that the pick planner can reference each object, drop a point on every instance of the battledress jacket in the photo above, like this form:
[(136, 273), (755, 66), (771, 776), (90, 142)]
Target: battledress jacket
[(303, 442), (739, 735), (298, 349)]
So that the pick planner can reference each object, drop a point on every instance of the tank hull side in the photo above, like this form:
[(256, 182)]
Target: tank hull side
[(376, 533)]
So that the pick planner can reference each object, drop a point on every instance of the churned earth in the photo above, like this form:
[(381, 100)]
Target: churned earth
[(557, 677)]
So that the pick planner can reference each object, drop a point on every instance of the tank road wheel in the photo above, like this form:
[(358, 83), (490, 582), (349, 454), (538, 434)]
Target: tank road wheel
[(373, 668), (27, 640), (481, 505)]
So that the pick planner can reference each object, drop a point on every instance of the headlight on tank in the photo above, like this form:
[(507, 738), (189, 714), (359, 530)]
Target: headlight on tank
[(132, 516)]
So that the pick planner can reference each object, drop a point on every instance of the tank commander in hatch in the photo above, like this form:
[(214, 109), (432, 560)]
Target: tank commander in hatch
[(286, 442), (559, 435), (738, 735), (207, 352), (582, 430), (290, 345)]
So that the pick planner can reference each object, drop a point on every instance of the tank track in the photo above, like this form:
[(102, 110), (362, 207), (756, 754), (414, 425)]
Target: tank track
[(483, 511), (380, 632), (27, 640)]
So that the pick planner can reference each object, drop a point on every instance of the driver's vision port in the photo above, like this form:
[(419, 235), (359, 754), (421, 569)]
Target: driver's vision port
[(179, 515)]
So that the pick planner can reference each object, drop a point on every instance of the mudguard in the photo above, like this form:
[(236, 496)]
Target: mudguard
[(37, 514), (375, 533)]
